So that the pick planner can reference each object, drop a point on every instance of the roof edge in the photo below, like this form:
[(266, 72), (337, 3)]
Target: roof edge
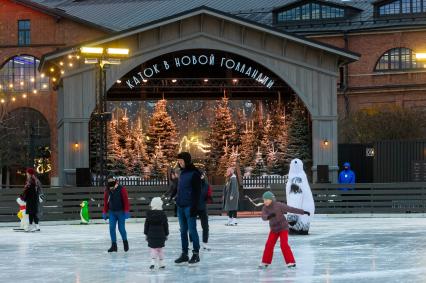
[(349, 55)]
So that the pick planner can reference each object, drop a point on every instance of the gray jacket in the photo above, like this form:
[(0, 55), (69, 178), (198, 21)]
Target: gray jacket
[(231, 190)]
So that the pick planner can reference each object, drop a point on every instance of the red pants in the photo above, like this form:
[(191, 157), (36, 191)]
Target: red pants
[(285, 248)]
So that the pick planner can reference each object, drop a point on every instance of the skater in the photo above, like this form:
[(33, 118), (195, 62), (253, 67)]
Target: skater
[(202, 213), (230, 197), (156, 231), (31, 197), (274, 212), (188, 195), (116, 204)]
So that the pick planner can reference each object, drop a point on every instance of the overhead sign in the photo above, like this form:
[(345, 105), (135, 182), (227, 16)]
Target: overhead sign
[(200, 60)]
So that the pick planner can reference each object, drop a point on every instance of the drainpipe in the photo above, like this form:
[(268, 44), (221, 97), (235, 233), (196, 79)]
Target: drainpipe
[(346, 76)]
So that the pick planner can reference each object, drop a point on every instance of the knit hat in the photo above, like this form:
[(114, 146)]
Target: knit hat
[(156, 204), (111, 176), (30, 171), (268, 195)]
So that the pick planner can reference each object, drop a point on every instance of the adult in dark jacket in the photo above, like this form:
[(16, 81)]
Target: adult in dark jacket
[(187, 200), (31, 197), (156, 230), (202, 213), (116, 204)]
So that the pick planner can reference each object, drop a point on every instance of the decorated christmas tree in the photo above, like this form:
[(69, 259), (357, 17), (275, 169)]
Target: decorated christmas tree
[(223, 130), (248, 146), (115, 160), (159, 163), (272, 162), (161, 127), (279, 134), (266, 135), (233, 157), (224, 160), (258, 164), (299, 142), (140, 158)]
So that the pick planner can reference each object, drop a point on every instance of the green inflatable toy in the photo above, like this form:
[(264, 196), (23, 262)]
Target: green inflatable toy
[(84, 212)]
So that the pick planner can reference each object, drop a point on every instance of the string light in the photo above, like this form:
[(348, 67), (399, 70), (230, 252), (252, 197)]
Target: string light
[(10, 85), (145, 81), (206, 80), (24, 95), (2, 100), (1, 86), (70, 64), (119, 81), (42, 75), (44, 86), (61, 63), (34, 91), (52, 70), (69, 56), (13, 99), (54, 79), (21, 83), (174, 80), (62, 72), (32, 80)]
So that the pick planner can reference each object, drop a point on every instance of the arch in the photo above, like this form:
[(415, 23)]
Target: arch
[(397, 59), (26, 142), (209, 43), (20, 73)]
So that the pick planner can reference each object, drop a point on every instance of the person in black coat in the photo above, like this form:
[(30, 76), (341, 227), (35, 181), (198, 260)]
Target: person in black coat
[(156, 231), (31, 197)]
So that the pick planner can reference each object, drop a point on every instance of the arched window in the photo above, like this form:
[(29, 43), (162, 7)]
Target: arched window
[(20, 74), (398, 59)]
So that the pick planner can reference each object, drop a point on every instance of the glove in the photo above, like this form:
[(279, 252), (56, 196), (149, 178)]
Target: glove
[(126, 215), (231, 198), (193, 212), (307, 212), (272, 215), (104, 216)]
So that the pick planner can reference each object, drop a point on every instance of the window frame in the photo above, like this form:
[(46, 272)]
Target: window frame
[(315, 15), (418, 5), (399, 53), (24, 33)]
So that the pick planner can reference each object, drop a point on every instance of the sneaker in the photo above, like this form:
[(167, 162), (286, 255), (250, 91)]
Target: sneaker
[(194, 259), (182, 259), (113, 248), (263, 265), (291, 265), (205, 246)]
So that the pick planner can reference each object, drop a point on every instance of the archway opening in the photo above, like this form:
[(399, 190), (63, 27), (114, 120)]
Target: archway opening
[(221, 107)]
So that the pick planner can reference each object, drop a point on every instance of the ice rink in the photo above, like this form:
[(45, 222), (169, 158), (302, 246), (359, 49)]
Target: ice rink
[(339, 249)]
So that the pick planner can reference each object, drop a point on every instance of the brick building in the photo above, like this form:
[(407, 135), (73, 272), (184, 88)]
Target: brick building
[(386, 34)]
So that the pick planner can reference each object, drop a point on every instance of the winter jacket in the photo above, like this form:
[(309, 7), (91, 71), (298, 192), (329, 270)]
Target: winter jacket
[(156, 228), (203, 195), (231, 190), (347, 176), (30, 196), (189, 188), (278, 222), (116, 199)]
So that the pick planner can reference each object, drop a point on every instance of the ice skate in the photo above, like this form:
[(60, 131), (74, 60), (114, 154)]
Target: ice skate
[(126, 245), (161, 264), (152, 266), (234, 222), (263, 265), (291, 265), (113, 248), (194, 259), (183, 259), (37, 228), (205, 246)]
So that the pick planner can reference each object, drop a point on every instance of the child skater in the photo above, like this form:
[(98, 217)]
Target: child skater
[(274, 212), (156, 231)]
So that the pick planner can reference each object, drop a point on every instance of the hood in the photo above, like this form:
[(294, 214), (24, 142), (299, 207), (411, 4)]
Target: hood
[(296, 167), (186, 156), (347, 164)]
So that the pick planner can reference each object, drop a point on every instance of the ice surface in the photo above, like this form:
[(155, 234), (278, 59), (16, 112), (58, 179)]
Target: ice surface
[(337, 250)]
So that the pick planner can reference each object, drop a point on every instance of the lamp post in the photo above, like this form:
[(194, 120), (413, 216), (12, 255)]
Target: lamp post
[(102, 57)]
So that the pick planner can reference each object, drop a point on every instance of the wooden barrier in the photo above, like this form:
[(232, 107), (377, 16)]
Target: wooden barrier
[(64, 203)]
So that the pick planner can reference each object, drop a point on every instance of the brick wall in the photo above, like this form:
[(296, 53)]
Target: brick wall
[(48, 34)]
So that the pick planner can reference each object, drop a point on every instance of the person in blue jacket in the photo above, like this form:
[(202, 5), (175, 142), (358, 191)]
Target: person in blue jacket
[(187, 201), (347, 176)]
